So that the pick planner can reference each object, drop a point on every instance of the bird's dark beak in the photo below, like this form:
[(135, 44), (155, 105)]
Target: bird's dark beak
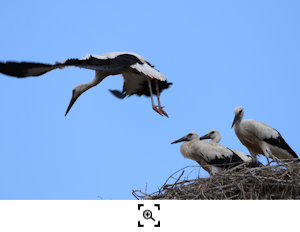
[(207, 136), (180, 140), (235, 119), (73, 100)]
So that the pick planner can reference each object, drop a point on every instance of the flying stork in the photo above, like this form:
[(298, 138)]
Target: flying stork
[(140, 76), (260, 138), (215, 137), (211, 156)]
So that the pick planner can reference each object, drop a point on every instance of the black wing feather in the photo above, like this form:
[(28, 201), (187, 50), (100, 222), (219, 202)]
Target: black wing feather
[(225, 161), (280, 142), (135, 83), (112, 65), (25, 69), (144, 89), (118, 94)]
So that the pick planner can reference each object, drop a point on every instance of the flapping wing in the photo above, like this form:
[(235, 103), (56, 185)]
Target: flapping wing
[(25, 69), (107, 63)]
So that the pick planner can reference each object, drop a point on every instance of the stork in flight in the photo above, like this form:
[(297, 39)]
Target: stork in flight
[(211, 156), (215, 137), (260, 138), (140, 76)]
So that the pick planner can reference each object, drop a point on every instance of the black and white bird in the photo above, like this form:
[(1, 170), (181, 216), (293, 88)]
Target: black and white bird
[(140, 77), (215, 137), (211, 156), (260, 138)]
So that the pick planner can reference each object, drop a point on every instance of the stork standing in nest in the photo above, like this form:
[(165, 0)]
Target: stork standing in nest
[(260, 138), (215, 137), (211, 156), (140, 77)]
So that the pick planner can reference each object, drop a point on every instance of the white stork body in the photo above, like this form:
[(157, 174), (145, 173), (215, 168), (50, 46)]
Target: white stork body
[(211, 156), (139, 75), (260, 138), (215, 137)]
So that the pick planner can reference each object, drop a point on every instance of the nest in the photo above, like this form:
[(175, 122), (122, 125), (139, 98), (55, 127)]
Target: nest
[(273, 182)]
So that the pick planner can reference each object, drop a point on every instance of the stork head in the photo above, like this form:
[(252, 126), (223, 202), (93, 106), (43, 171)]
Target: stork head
[(213, 135), (189, 137), (239, 114), (77, 91)]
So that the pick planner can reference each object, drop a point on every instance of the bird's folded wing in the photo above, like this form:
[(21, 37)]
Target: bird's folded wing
[(280, 142), (259, 129), (216, 154), (135, 83)]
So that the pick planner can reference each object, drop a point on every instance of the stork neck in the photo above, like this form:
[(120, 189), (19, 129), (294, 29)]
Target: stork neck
[(238, 122), (216, 139), (184, 149), (237, 125), (98, 78)]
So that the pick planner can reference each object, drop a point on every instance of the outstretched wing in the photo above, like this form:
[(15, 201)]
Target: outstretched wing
[(25, 69), (107, 63), (113, 63)]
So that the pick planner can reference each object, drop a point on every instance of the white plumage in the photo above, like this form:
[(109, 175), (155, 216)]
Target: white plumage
[(139, 75), (260, 138), (211, 156), (215, 137)]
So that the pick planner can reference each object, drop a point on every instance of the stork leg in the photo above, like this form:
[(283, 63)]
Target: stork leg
[(273, 157), (254, 157), (157, 93), (268, 154), (151, 95)]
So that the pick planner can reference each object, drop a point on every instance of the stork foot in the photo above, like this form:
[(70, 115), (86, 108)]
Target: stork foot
[(160, 110), (157, 110), (164, 112)]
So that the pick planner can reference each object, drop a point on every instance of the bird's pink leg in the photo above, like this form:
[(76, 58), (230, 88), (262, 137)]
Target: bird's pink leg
[(150, 89), (157, 93)]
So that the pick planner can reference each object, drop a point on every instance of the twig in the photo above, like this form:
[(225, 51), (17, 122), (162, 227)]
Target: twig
[(133, 193), (178, 179), (146, 189), (243, 190), (175, 173)]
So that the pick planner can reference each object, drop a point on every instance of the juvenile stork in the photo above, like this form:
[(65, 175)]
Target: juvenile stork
[(260, 138), (211, 156), (215, 137), (140, 76)]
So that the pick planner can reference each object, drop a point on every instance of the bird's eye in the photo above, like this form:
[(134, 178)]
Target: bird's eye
[(73, 91), (241, 111), (212, 132), (190, 134)]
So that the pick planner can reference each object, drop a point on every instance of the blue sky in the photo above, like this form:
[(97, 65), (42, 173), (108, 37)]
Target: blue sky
[(218, 54)]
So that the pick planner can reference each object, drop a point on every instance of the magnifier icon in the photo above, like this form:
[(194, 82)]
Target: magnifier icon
[(147, 214)]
